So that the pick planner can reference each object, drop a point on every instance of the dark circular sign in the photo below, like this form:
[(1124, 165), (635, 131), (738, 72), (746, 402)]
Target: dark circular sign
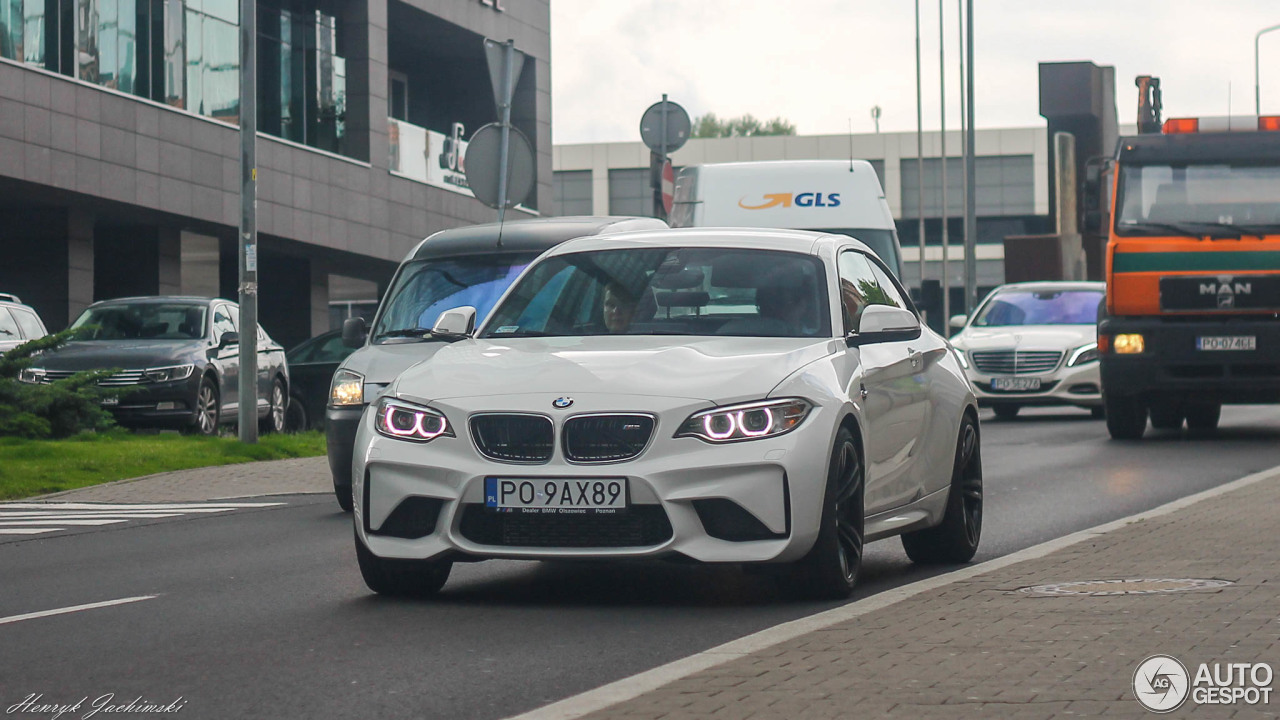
[(484, 153), (678, 127)]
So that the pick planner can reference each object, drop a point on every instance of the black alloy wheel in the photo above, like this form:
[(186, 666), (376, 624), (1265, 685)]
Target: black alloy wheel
[(830, 570), (406, 578), (956, 538)]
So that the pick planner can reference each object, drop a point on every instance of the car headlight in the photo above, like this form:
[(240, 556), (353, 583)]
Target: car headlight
[(406, 421), (347, 389), (1084, 354), (964, 362), (32, 375), (168, 374), (748, 421)]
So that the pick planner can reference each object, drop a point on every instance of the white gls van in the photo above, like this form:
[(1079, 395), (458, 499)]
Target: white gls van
[(834, 196)]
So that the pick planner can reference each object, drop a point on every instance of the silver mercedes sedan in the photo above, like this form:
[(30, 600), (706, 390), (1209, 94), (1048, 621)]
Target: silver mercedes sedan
[(721, 395)]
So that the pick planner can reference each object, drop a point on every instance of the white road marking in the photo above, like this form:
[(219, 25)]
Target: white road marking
[(632, 687), (7, 516), (18, 518), (73, 608), (61, 521), (28, 531), (136, 506)]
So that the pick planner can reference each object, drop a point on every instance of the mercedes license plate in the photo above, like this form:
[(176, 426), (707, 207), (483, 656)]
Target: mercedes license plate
[(555, 495), (1228, 342), (1015, 384)]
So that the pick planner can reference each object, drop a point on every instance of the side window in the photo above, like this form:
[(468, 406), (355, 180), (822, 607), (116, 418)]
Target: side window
[(8, 328), (222, 322), (891, 296), (858, 287), (331, 351), (29, 323)]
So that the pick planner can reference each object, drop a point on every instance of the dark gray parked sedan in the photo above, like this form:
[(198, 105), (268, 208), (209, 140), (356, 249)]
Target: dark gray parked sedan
[(178, 359)]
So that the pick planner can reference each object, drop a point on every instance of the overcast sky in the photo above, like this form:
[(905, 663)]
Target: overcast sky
[(824, 63)]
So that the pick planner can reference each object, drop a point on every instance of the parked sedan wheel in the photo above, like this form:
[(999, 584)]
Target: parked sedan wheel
[(208, 409), (274, 421), (410, 578), (955, 539), (295, 417), (830, 570)]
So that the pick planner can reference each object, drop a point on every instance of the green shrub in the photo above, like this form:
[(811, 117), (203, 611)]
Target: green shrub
[(57, 410)]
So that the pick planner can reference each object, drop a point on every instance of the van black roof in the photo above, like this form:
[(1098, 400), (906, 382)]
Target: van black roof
[(524, 236)]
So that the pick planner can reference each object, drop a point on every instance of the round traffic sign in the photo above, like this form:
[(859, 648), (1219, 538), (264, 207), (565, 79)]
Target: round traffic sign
[(482, 159), (668, 187), (678, 126)]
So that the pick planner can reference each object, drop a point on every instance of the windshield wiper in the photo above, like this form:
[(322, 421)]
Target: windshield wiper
[(406, 332), (1167, 227), (1255, 230)]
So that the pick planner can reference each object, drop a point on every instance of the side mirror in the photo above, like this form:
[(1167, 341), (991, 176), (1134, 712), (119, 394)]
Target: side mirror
[(354, 332), (456, 323), (958, 321), (884, 323), (229, 338)]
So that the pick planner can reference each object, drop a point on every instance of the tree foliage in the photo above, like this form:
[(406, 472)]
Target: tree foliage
[(56, 410), (710, 126)]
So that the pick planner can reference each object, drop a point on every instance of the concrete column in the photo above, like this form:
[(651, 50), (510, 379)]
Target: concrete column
[(366, 123), (319, 298), (200, 265), (79, 262), (169, 250)]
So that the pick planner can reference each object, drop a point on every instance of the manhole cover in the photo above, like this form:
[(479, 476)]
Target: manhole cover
[(1139, 586)]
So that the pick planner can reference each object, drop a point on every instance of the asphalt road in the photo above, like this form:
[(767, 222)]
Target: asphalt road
[(262, 613)]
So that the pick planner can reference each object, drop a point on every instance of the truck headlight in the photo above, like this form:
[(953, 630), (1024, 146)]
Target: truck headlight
[(406, 421), (1128, 344), (347, 389), (1082, 355), (748, 421)]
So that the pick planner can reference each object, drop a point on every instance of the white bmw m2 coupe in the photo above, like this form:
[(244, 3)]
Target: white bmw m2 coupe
[(722, 395)]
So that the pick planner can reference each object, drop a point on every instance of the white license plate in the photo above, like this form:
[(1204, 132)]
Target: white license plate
[(1015, 384), (1230, 342), (107, 402), (555, 495)]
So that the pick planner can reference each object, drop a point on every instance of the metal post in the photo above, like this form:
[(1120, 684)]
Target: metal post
[(964, 149), (248, 321), (660, 210), (942, 136), (1257, 91), (508, 58), (919, 151), (971, 178)]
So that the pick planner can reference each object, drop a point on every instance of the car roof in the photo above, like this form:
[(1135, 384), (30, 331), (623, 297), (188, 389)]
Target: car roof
[(1055, 285), (159, 299), (802, 241), (523, 236)]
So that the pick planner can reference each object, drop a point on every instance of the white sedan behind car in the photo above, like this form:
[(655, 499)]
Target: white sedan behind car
[(720, 395), (1034, 343)]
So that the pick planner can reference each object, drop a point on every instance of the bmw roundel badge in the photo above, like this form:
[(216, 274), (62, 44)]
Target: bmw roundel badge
[(562, 402)]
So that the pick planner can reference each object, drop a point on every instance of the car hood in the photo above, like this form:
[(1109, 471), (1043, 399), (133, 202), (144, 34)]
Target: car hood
[(123, 354), (1029, 337), (718, 370), (380, 364)]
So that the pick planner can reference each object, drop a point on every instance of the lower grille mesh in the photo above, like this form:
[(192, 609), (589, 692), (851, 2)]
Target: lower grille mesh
[(637, 526)]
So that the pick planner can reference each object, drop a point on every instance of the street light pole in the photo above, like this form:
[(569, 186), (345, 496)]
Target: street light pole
[(1257, 90), (919, 151), (247, 415), (942, 137), (971, 178)]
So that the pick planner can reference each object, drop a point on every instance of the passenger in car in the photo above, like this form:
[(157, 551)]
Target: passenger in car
[(619, 307)]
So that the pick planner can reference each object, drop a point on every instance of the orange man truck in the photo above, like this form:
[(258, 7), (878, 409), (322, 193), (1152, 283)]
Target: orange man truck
[(1192, 317)]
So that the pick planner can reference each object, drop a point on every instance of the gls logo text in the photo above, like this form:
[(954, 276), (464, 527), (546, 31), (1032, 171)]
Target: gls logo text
[(804, 199)]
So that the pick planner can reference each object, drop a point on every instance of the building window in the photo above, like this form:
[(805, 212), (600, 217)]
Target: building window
[(302, 74), (1006, 186), (571, 192), (630, 193), (11, 29), (398, 96), (213, 59)]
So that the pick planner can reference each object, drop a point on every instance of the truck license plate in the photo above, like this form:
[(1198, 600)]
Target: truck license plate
[(555, 495), (1015, 384), (1229, 342)]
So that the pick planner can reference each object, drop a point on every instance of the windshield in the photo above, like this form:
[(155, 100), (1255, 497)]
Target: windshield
[(668, 291), (884, 243), (426, 288), (143, 321), (1208, 199), (1054, 307)]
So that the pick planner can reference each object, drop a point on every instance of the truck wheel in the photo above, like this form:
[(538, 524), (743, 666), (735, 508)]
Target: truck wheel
[(1166, 416), (1203, 417), (1006, 411), (1126, 417), (1097, 413)]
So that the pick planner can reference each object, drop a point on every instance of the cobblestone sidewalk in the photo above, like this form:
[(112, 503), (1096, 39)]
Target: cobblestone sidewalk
[(253, 479)]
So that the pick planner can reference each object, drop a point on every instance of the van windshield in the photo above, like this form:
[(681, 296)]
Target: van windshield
[(426, 288), (883, 242)]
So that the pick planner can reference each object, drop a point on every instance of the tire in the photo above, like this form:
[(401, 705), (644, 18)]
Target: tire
[(1166, 416), (403, 578), (343, 494), (1204, 417), (1097, 413), (1126, 417), (277, 406), (830, 570), (295, 417), (1006, 411), (956, 538), (208, 406)]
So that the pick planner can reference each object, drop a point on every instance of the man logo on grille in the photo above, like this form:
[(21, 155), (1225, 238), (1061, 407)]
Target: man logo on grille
[(562, 402), (1161, 683)]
